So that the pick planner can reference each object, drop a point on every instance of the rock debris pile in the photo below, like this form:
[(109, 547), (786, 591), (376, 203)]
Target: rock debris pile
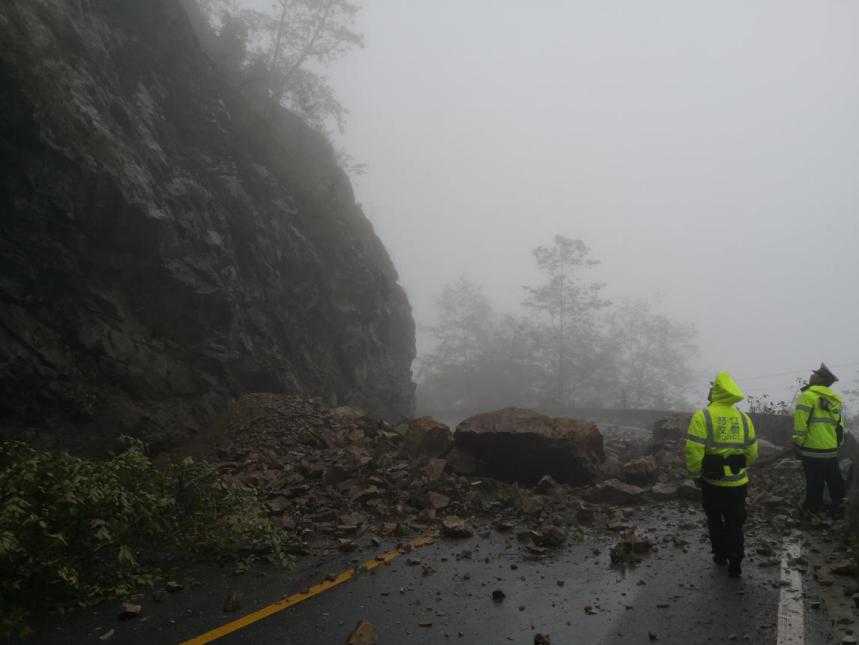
[(337, 477)]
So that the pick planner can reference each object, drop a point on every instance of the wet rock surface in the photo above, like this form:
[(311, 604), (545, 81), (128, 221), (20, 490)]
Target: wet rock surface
[(196, 252)]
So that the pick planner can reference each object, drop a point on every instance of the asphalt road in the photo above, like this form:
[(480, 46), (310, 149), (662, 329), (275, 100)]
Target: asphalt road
[(574, 594)]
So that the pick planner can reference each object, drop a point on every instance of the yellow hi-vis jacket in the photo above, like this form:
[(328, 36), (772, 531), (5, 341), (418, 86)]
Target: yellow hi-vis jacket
[(817, 422), (721, 429)]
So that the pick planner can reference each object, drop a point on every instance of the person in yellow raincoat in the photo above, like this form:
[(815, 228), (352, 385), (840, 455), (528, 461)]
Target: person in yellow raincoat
[(720, 444), (818, 432)]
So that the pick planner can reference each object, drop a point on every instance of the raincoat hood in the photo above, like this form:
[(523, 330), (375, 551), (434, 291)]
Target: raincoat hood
[(725, 390), (824, 391)]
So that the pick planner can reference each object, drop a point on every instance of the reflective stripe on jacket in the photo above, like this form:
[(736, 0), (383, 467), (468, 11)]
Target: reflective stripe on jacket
[(817, 423), (720, 429)]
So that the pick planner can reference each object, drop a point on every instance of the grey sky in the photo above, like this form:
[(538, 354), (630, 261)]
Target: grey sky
[(705, 151)]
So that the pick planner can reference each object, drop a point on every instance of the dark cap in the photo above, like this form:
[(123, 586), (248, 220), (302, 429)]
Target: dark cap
[(826, 373)]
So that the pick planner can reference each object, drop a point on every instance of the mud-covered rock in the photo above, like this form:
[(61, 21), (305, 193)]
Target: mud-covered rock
[(523, 445)]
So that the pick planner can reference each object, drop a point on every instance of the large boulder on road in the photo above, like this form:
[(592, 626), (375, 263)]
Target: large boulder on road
[(522, 445)]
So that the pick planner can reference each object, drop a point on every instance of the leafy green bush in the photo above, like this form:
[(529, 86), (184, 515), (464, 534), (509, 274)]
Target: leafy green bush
[(74, 531)]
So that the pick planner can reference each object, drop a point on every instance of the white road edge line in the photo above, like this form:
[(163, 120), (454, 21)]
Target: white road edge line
[(791, 613)]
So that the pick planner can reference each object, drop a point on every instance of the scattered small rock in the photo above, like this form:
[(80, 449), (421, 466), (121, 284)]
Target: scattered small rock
[(129, 610), (233, 601), (363, 634)]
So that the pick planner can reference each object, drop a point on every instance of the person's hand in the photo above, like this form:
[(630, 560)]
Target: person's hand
[(697, 481), (797, 452)]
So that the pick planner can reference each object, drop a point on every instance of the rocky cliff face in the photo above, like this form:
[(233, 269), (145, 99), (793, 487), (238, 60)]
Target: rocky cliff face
[(165, 246)]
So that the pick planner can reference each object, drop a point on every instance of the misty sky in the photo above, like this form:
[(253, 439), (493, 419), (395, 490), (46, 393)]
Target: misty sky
[(708, 152)]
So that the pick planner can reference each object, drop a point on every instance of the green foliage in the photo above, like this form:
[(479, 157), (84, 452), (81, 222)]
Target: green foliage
[(361, 571), (75, 531), (765, 405), (622, 555)]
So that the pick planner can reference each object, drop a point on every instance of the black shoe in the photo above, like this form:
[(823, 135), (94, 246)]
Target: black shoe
[(735, 569), (721, 560), (836, 512)]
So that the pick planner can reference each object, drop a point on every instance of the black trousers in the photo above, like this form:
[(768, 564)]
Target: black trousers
[(725, 507), (820, 472)]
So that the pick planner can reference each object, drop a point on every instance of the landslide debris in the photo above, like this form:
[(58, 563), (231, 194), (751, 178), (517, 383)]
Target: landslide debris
[(340, 477)]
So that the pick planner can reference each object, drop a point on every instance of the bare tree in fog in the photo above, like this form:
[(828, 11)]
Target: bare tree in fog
[(572, 349), (461, 335), (567, 310), (651, 354)]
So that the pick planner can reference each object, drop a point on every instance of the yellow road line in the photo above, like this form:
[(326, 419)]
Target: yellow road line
[(265, 612)]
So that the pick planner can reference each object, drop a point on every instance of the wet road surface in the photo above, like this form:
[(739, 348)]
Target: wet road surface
[(574, 594)]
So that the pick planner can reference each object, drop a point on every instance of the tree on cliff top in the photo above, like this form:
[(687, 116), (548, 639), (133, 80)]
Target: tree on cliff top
[(281, 53)]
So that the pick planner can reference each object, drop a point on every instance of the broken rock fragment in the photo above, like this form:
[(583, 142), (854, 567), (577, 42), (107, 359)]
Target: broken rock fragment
[(437, 500), (129, 610), (640, 472), (335, 475), (663, 492), (547, 534), (453, 526), (363, 634), (635, 543), (688, 491), (586, 515), (434, 469), (461, 461), (233, 601), (427, 439), (614, 491), (278, 505), (531, 505), (546, 485)]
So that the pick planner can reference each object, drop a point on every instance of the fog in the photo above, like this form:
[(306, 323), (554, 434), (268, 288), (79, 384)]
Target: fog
[(707, 153)]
